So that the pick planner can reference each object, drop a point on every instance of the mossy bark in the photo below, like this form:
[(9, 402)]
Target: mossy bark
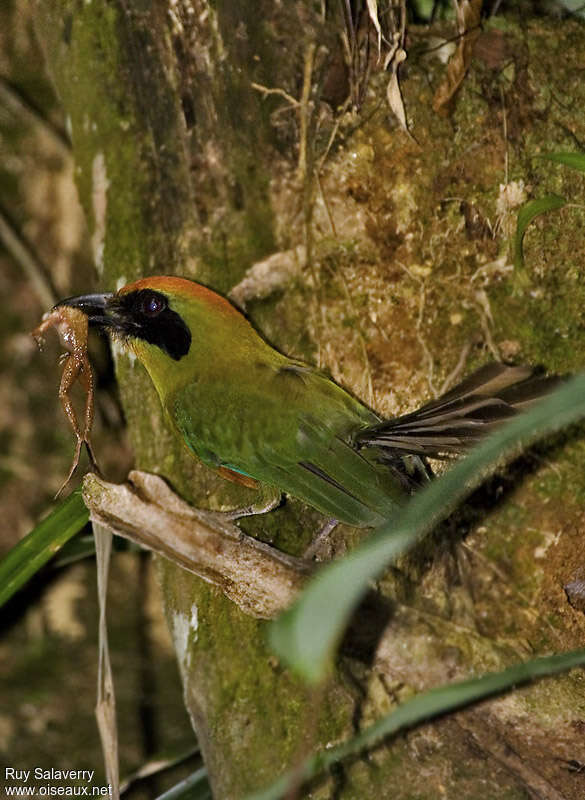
[(184, 167)]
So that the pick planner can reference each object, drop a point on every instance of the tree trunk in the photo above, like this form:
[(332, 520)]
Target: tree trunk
[(392, 273)]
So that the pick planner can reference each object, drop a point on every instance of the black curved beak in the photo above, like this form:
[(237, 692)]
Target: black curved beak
[(94, 306)]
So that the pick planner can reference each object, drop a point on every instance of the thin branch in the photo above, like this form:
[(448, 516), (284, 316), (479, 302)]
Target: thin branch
[(455, 373), (261, 580), (505, 131), (266, 90), (304, 109)]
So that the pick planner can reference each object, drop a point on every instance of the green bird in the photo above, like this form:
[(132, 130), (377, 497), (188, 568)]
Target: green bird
[(258, 416)]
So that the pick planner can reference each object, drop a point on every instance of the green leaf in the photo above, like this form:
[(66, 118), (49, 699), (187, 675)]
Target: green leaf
[(77, 549), (41, 544), (424, 706), (306, 635), (194, 787), (526, 214), (572, 160)]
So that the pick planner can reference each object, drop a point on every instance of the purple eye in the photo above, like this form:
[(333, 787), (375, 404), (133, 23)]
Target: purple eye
[(152, 304)]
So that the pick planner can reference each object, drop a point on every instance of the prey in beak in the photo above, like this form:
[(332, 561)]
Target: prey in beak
[(130, 315), (71, 318)]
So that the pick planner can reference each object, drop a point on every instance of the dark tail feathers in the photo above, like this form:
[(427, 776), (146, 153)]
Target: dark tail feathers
[(458, 419)]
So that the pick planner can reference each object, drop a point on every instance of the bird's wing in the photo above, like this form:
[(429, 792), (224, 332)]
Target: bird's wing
[(327, 472), (290, 429)]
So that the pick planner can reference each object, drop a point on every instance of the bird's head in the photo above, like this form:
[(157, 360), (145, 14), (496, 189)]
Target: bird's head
[(166, 321)]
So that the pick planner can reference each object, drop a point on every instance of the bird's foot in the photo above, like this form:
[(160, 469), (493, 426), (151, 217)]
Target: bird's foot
[(314, 550), (262, 506)]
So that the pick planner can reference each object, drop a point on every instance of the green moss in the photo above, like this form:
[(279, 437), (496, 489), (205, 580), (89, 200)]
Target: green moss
[(114, 119), (232, 675)]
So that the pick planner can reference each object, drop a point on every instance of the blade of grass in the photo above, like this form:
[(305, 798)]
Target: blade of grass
[(40, 545), (194, 787), (82, 547), (423, 707), (526, 214), (306, 635), (572, 160), (157, 766)]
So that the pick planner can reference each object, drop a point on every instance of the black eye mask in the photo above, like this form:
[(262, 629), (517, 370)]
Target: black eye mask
[(145, 314)]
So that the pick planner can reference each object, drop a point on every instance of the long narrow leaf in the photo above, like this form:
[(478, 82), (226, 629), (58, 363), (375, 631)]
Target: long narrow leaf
[(307, 634), (373, 12), (572, 160), (527, 213), (194, 787), (41, 544), (424, 706)]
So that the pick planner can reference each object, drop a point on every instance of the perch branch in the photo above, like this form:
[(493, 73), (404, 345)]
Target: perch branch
[(261, 580)]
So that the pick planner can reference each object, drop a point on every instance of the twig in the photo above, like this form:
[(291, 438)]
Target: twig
[(331, 138), (265, 90), (105, 710), (453, 376), (326, 204), (505, 126), (486, 319), (304, 109)]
